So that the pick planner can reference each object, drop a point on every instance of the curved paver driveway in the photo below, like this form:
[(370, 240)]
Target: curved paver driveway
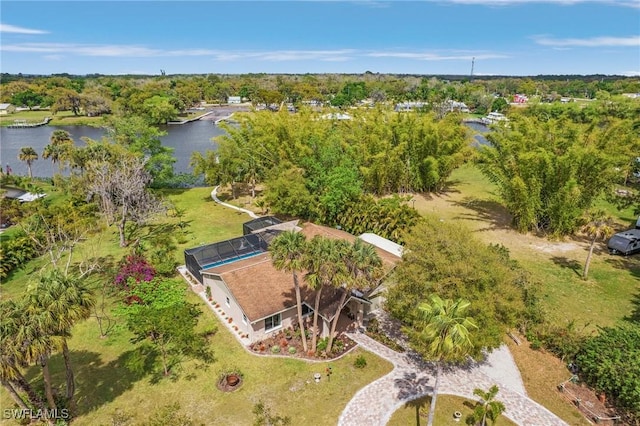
[(410, 379)]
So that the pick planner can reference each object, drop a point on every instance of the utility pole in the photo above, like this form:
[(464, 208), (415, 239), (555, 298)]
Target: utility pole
[(473, 60)]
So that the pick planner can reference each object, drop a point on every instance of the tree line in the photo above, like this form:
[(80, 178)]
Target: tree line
[(163, 98)]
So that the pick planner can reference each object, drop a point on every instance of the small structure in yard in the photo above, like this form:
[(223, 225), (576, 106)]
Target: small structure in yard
[(593, 406)]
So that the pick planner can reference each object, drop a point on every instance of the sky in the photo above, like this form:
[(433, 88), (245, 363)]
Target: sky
[(494, 37)]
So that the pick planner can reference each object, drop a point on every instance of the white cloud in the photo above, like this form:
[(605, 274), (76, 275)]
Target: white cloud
[(6, 28), (141, 52), (631, 73), (622, 3), (632, 41), (427, 56)]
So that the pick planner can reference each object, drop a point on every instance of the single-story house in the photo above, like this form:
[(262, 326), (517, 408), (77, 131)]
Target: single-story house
[(7, 109), (260, 299)]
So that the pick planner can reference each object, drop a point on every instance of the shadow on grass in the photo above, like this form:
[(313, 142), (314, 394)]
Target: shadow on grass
[(565, 262), (630, 263), (99, 383), (635, 312), (487, 211), (419, 404)]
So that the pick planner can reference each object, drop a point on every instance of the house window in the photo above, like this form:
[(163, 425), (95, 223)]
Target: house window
[(227, 301), (244, 319), (272, 322), (306, 310)]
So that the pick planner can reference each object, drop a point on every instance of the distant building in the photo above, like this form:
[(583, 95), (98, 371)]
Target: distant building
[(409, 106), (234, 100), (520, 99), (7, 109)]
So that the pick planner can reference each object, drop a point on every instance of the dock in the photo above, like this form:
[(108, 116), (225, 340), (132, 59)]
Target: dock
[(23, 124)]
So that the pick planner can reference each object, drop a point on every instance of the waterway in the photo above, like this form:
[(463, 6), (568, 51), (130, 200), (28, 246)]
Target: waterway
[(184, 139)]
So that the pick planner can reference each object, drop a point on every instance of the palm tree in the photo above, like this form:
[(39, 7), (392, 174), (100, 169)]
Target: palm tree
[(489, 408), (444, 336), (66, 301), (322, 263), (362, 269), (59, 147), (597, 227), (287, 254), (28, 155), (13, 357)]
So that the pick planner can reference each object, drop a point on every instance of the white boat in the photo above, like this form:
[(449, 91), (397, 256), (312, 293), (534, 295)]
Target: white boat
[(493, 117)]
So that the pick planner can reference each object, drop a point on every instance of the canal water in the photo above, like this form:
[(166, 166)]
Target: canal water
[(184, 139)]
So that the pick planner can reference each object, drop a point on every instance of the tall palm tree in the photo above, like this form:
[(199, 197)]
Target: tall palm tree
[(62, 301), (362, 269), (13, 357), (28, 155), (598, 226), (287, 254), (489, 408), (322, 263), (444, 336), (59, 148)]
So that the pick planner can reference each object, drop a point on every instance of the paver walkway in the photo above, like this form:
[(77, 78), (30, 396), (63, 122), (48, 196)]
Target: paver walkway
[(214, 196), (412, 378)]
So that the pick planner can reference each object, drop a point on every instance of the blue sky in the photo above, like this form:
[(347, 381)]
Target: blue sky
[(506, 37)]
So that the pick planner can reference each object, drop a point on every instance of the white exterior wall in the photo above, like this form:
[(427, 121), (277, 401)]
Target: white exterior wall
[(219, 294), (289, 317)]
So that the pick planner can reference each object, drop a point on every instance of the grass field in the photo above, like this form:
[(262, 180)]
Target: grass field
[(415, 412), (107, 388), (66, 118), (608, 297)]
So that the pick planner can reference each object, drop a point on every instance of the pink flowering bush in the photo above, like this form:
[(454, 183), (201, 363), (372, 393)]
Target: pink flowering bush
[(134, 269)]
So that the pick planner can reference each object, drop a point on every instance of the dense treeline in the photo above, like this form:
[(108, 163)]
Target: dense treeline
[(164, 98), (319, 167)]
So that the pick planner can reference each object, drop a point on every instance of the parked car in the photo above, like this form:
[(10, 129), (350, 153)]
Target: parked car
[(625, 242)]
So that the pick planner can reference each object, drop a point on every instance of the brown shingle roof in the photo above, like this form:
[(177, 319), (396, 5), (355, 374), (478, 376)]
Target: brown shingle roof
[(262, 290)]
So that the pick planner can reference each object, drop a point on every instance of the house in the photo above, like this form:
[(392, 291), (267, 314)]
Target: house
[(259, 298), (6, 109), (234, 100)]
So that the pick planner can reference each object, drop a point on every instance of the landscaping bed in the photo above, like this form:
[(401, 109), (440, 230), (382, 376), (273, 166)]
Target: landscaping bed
[(288, 342), (592, 405)]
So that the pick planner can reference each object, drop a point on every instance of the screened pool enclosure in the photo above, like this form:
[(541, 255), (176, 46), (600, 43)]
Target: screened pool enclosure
[(217, 254)]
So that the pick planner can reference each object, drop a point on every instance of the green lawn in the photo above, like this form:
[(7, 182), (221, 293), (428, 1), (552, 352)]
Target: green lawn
[(107, 387), (62, 118), (604, 299), (415, 412)]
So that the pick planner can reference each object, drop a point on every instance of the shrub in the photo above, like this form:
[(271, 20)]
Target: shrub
[(292, 350), (135, 268), (360, 362), (275, 349), (322, 344), (610, 362), (338, 346)]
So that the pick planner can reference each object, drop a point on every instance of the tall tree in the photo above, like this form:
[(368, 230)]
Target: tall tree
[(362, 270), (59, 148), (161, 315), (64, 301), (28, 155), (120, 186), (13, 357), (598, 226), (323, 264), (488, 407), (287, 253), (143, 139), (443, 336)]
